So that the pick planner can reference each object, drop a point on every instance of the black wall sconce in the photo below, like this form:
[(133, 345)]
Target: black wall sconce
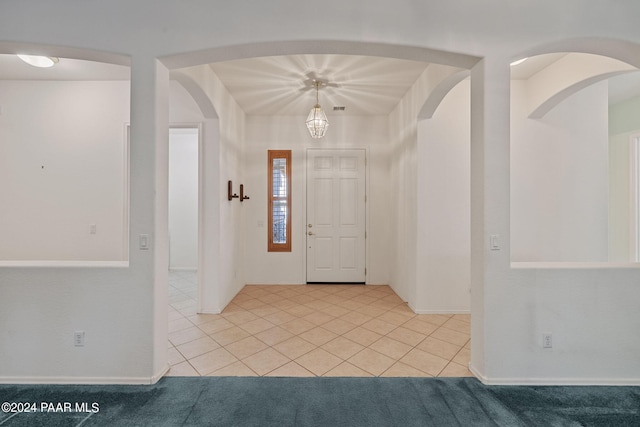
[(230, 194), (242, 196)]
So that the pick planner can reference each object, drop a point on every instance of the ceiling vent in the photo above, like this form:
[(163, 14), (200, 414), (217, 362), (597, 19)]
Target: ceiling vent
[(336, 108)]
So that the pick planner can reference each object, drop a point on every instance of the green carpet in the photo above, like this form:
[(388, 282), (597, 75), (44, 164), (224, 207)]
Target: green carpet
[(403, 402)]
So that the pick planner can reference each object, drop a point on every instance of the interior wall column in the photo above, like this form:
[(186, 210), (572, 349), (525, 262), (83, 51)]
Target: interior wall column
[(490, 111), (149, 200)]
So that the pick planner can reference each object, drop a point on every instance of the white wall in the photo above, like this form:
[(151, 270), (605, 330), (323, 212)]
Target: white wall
[(443, 204), (560, 178), (418, 156), (63, 169), (290, 133), (183, 198), (40, 308)]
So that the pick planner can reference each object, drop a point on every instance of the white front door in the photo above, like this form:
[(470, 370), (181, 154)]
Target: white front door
[(336, 216)]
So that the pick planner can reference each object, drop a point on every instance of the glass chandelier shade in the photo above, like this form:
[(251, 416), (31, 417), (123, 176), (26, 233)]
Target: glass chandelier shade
[(317, 122)]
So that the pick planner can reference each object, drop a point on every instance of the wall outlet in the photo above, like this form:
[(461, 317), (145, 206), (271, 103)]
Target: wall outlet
[(547, 341), (78, 338), (92, 229)]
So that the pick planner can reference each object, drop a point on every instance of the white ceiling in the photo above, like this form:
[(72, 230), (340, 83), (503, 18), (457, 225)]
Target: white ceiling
[(282, 84)]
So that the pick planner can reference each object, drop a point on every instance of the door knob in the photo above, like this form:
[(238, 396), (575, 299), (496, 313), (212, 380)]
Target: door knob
[(311, 233), (309, 225)]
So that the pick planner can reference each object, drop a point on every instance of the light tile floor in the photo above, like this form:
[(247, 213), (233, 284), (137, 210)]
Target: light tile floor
[(312, 330)]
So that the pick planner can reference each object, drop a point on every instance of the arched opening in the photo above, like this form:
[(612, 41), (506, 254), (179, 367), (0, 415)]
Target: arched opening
[(570, 160), (65, 148), (246, 132)]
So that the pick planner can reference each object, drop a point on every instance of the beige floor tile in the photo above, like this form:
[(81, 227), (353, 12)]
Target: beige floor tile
[(197, 347), (364, 299), (458, 325), (271, 298), (179, 324), (318, 361), (279, 317), (274, 335), (318, 318), (299, 310), (394, 318), (236, 369), (346, 369), (240, 317), (318, 336), (379, 326), (227, 336), (266, 361), (291, 369), (338, 326), (212, 361), (183, 369), (420, 326), (297, 326), (356, 318), (362, 336), (463, 357), (390, 347), (462, 317), (350, 305), (185, 335), (258, 325), (370, 310), (318, 304), (449, 335), (265, 311), (439, 348), (342, 347), (215, 326), (406, 336), (294, 347), (250, 304), (426, 362), (403, 309), (302, 299), (246, 347), (174, 356), (335, 310), (371, 361), (400, 369), (435, 319), (455, 370), (366, 331)]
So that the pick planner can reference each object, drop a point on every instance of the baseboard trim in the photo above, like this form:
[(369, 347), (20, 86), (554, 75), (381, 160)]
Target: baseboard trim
[(428, 311), (88, 380), (618, 382)]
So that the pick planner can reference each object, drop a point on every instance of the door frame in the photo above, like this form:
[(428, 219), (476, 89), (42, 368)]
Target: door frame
[(201, 203), (367, 175)]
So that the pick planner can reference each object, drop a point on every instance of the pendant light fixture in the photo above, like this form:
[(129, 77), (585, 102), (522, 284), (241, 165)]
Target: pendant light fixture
[(317, 122)]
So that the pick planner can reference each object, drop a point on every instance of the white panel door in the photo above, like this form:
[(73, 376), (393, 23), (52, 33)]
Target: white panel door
[(336, 216)]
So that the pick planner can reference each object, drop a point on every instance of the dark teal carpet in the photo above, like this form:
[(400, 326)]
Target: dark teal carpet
[(402, 402)]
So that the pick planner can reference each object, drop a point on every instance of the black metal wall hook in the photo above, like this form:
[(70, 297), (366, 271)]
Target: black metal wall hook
[(230, 194)]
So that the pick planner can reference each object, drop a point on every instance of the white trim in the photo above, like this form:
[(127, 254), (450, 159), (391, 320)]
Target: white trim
[(634, 198), (83, 264), (89, 380), (556, 381), (437, 311), (573, 265)]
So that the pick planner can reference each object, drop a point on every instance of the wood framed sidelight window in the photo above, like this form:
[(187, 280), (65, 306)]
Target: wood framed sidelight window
[(279, 197)]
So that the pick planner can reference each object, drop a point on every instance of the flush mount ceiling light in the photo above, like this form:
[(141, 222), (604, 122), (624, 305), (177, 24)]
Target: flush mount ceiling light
[(317, 122), (39, 61)]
